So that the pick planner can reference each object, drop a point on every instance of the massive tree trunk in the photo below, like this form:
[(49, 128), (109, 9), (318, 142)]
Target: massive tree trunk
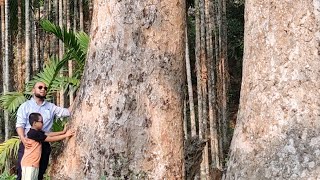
[(278, 129), (129, 112)]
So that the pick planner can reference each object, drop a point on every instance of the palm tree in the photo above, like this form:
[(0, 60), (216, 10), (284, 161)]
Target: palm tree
[(190, 91), (19, 49), (6, 72), (28, 56), (1, 61)]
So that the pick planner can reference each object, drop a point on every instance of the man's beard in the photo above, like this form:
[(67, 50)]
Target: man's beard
[(39, 96)]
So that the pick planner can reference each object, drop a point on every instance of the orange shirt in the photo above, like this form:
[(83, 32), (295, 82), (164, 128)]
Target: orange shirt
[(32, 155)]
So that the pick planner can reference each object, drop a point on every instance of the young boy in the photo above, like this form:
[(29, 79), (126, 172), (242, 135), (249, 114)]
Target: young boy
[(31, 157)]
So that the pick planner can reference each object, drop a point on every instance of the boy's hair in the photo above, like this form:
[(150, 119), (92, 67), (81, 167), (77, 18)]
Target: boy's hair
[(33, 117)]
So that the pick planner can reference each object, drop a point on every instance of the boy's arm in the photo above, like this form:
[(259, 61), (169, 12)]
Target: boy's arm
[(51, 134), (59, 137)]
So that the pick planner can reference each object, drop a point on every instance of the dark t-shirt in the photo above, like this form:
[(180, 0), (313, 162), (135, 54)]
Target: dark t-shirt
[(36, 135)]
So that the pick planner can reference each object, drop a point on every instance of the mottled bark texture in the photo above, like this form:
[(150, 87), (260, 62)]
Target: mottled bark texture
[(278, 130), (129, 110)]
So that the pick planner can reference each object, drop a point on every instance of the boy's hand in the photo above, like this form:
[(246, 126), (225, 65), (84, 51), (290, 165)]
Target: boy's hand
[(70, 133), (65, 128)]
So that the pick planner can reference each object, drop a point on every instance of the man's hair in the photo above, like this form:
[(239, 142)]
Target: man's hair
[(33, 117)]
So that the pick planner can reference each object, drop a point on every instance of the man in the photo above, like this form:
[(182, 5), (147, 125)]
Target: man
[(48, 111)]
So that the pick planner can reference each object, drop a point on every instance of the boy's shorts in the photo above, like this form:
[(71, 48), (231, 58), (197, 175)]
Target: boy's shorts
[(30, 173)]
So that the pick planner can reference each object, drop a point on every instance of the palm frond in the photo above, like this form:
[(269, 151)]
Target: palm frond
[(83, 40), (70, 83), (47, 75), (76, 43), (8, 149), (12, 100)]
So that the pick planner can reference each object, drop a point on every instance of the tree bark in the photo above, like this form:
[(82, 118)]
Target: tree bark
[(28, 57), (185, 119), (6, 63), (90, 4), (81, 24), (278, 131), (1, 65), (61, 49), (211, 36), (222, 76), (129, 111), (70, 63), (75, 14), (190, 90), (36, 38), (19, 59)]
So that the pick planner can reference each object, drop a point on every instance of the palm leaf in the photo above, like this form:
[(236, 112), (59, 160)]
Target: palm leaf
[(76, 43), (65, 82), (83, 40), (8, 149), (12, 100), (47, 75)]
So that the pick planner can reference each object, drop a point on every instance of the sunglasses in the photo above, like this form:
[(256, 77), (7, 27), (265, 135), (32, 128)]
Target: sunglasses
[(40, 87), (40, 122)]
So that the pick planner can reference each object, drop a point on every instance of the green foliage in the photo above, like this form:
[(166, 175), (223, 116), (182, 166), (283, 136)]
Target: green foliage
[(58, 125), (12, 100), (235, 23), (75, 43), (7, 176), (8, 149), (49, 75)]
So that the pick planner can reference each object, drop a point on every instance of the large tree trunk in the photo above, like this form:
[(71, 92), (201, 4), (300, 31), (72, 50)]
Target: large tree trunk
[(129, 112), (278, 129)]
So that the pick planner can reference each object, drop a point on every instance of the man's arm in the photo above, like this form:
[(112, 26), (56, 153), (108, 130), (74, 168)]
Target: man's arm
[(20, 125), (60, 111), (20, 132)]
